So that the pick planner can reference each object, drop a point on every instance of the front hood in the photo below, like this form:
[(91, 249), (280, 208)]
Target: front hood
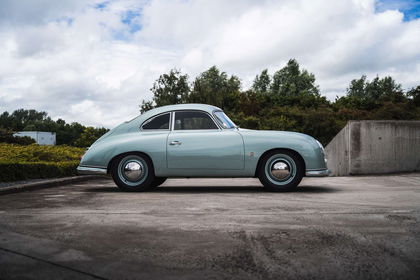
[(265, 140)]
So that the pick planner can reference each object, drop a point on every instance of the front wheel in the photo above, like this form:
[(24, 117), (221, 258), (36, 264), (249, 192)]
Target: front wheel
[(133, 172), (281, 170)]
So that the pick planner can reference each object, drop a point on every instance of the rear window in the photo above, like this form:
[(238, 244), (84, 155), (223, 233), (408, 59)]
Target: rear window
[(158, 122)]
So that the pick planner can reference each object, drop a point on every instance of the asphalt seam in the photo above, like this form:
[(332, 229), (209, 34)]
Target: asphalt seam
[(56, 182), (53, 263), (217, 213)]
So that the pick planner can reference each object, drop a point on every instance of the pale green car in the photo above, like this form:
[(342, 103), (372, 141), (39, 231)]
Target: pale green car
[(198, 140)]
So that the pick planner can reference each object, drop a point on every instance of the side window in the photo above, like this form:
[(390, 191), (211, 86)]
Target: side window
[(159, 122), (193, 120)]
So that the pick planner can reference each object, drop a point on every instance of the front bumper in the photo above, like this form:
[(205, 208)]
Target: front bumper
[(317, 173), (89, 170)]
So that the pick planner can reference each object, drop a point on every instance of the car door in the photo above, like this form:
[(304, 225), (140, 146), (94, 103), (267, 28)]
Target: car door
[(197, 142)]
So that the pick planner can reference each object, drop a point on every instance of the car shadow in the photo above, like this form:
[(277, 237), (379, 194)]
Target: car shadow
[(217, 189)]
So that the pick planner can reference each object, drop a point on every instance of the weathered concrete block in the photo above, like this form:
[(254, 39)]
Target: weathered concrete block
[(374, 147)]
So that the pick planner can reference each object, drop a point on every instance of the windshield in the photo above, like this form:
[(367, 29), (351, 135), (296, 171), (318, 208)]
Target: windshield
[(224, 120)]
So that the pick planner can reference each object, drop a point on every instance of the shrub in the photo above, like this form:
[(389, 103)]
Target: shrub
[(14, 171), (19, 162), (37, 153), (23, 140)]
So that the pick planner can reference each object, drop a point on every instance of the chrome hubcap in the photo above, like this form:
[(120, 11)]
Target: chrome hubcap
[(133, 170), (280, 170)]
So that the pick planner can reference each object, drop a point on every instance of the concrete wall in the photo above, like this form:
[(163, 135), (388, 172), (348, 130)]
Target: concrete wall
[(40, 137), (374, 147)]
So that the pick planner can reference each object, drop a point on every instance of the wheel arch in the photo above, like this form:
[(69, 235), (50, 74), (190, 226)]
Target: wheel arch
[(277, 149), (116, 157)]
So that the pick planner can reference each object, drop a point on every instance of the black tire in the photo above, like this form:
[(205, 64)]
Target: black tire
[(139, 178), (158, 181), (281, 170)]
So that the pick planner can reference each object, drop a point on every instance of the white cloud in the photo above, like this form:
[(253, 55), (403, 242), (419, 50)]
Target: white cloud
[(79, 61)]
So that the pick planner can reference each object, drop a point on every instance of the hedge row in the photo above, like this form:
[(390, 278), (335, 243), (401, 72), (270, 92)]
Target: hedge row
[(37, 153), (12, 171)]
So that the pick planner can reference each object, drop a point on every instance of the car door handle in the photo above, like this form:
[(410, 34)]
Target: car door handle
[(175, 143)]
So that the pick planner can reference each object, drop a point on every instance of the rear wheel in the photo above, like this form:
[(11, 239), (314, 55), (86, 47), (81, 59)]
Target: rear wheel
[(133, 172), (281, 170)]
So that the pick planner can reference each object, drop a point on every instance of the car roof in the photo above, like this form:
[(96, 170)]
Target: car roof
[(137, 121), (189, 106)]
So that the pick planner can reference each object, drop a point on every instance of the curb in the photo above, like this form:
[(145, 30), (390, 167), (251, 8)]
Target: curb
[(48, 183)]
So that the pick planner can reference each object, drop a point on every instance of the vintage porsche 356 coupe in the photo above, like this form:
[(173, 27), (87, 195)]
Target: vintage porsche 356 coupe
[(198, 140)]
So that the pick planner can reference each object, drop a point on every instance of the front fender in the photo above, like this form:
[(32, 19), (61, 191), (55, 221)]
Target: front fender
[(258, 142)]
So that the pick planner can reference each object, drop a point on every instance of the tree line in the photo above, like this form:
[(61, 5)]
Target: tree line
[(72, 134), (289, 99)]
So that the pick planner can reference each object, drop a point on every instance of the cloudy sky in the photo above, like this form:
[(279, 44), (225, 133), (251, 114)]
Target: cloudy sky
[(94, 61)]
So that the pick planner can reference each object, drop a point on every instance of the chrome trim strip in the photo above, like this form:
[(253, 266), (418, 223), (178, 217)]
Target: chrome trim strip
[(317, 173), (91, 170), (172, 120)]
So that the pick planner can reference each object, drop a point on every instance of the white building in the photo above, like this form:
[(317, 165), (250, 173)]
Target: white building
[(41, 137)]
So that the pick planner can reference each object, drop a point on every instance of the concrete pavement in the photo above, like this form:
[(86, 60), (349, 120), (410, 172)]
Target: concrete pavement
[(363, 227)]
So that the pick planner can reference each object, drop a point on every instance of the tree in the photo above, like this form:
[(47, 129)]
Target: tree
[(67, 134), (22, 117), (414, 95), (291, 100), (146, 106), (262, 82), (89, 135), (292, 86), (368, 95), (6, 121), (30, 127), (292, 81), (216, 88), (357, 88), (171, 88), (252, 102)]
